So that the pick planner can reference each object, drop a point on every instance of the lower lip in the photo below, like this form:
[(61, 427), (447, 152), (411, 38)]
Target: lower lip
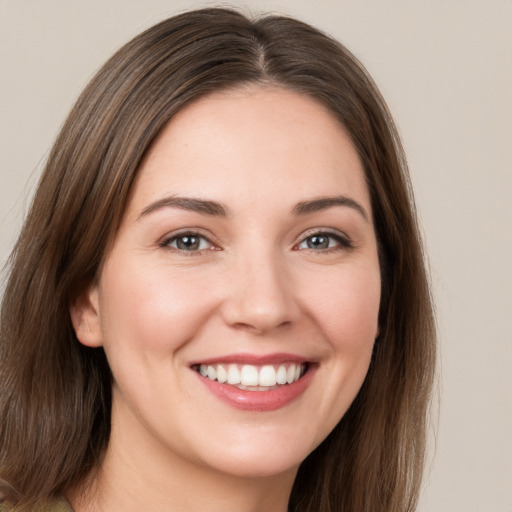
[(259, 400)]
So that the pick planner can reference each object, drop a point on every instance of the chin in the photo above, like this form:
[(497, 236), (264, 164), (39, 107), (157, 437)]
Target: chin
[(254, 457), (260, 467)]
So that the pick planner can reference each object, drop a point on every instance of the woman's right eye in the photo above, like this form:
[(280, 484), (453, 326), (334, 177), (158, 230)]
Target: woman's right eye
[(189, 242)]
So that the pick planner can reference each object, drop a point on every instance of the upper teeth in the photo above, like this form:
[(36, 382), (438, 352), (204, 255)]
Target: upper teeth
[(250, 375)]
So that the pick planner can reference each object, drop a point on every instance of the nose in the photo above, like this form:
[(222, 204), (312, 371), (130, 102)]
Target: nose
[(260, 296)]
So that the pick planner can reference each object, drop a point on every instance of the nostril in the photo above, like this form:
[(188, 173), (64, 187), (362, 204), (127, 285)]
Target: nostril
[(259, 314), (259, 297), (260, 326)]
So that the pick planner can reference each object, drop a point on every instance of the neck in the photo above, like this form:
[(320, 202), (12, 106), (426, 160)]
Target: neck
[(138, 476)]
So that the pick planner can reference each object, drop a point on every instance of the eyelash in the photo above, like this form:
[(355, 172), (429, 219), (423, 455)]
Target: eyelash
[(342, 242), (166, 243)]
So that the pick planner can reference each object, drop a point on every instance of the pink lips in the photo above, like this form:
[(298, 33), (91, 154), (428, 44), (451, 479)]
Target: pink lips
[(253, 359), (270, 400)]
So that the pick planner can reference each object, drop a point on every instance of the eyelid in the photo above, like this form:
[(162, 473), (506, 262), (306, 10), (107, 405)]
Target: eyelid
[(197, 232), (344, 240)]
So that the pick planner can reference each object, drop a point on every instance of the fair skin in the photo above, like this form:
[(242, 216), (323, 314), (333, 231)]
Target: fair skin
[(247, 241)]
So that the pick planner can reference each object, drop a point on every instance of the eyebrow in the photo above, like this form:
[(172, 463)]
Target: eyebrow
[(187, 203), (323, 203), (217, 209)]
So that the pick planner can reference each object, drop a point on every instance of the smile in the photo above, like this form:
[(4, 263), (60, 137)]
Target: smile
[(251, 377), (256, 383)]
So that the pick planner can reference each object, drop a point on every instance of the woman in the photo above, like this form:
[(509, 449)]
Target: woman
[(218, 299)]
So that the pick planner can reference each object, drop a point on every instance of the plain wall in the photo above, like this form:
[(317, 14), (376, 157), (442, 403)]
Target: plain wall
[(445, 68)]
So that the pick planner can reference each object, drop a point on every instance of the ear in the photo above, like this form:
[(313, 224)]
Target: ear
[(85, 316)]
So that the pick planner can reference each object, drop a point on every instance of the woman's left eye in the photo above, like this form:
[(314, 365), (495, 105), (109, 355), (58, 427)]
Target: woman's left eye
[(189, 242), (323, 241)]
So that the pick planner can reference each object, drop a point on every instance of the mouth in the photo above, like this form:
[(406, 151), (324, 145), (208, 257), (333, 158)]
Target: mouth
[(256, 383), (252, 377)]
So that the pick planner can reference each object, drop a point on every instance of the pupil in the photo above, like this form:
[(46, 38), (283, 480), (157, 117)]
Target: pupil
[(318, 242), (188, 243)]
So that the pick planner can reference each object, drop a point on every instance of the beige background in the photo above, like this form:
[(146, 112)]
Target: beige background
[(445, 68)]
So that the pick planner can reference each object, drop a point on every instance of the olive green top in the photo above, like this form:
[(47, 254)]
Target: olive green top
[(60, 505)]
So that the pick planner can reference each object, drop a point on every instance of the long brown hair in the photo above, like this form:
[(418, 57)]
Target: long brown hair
[(55, 393)]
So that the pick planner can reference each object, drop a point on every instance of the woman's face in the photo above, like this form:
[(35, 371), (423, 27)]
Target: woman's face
[(238, 305)]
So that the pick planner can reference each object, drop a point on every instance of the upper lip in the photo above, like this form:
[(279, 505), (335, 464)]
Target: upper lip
[(254, 359)]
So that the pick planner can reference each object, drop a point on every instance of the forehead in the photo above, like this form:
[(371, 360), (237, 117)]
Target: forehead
[(250, 145)]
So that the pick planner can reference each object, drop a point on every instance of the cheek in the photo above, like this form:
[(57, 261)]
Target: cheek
[(154, 309), (347, 308)]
